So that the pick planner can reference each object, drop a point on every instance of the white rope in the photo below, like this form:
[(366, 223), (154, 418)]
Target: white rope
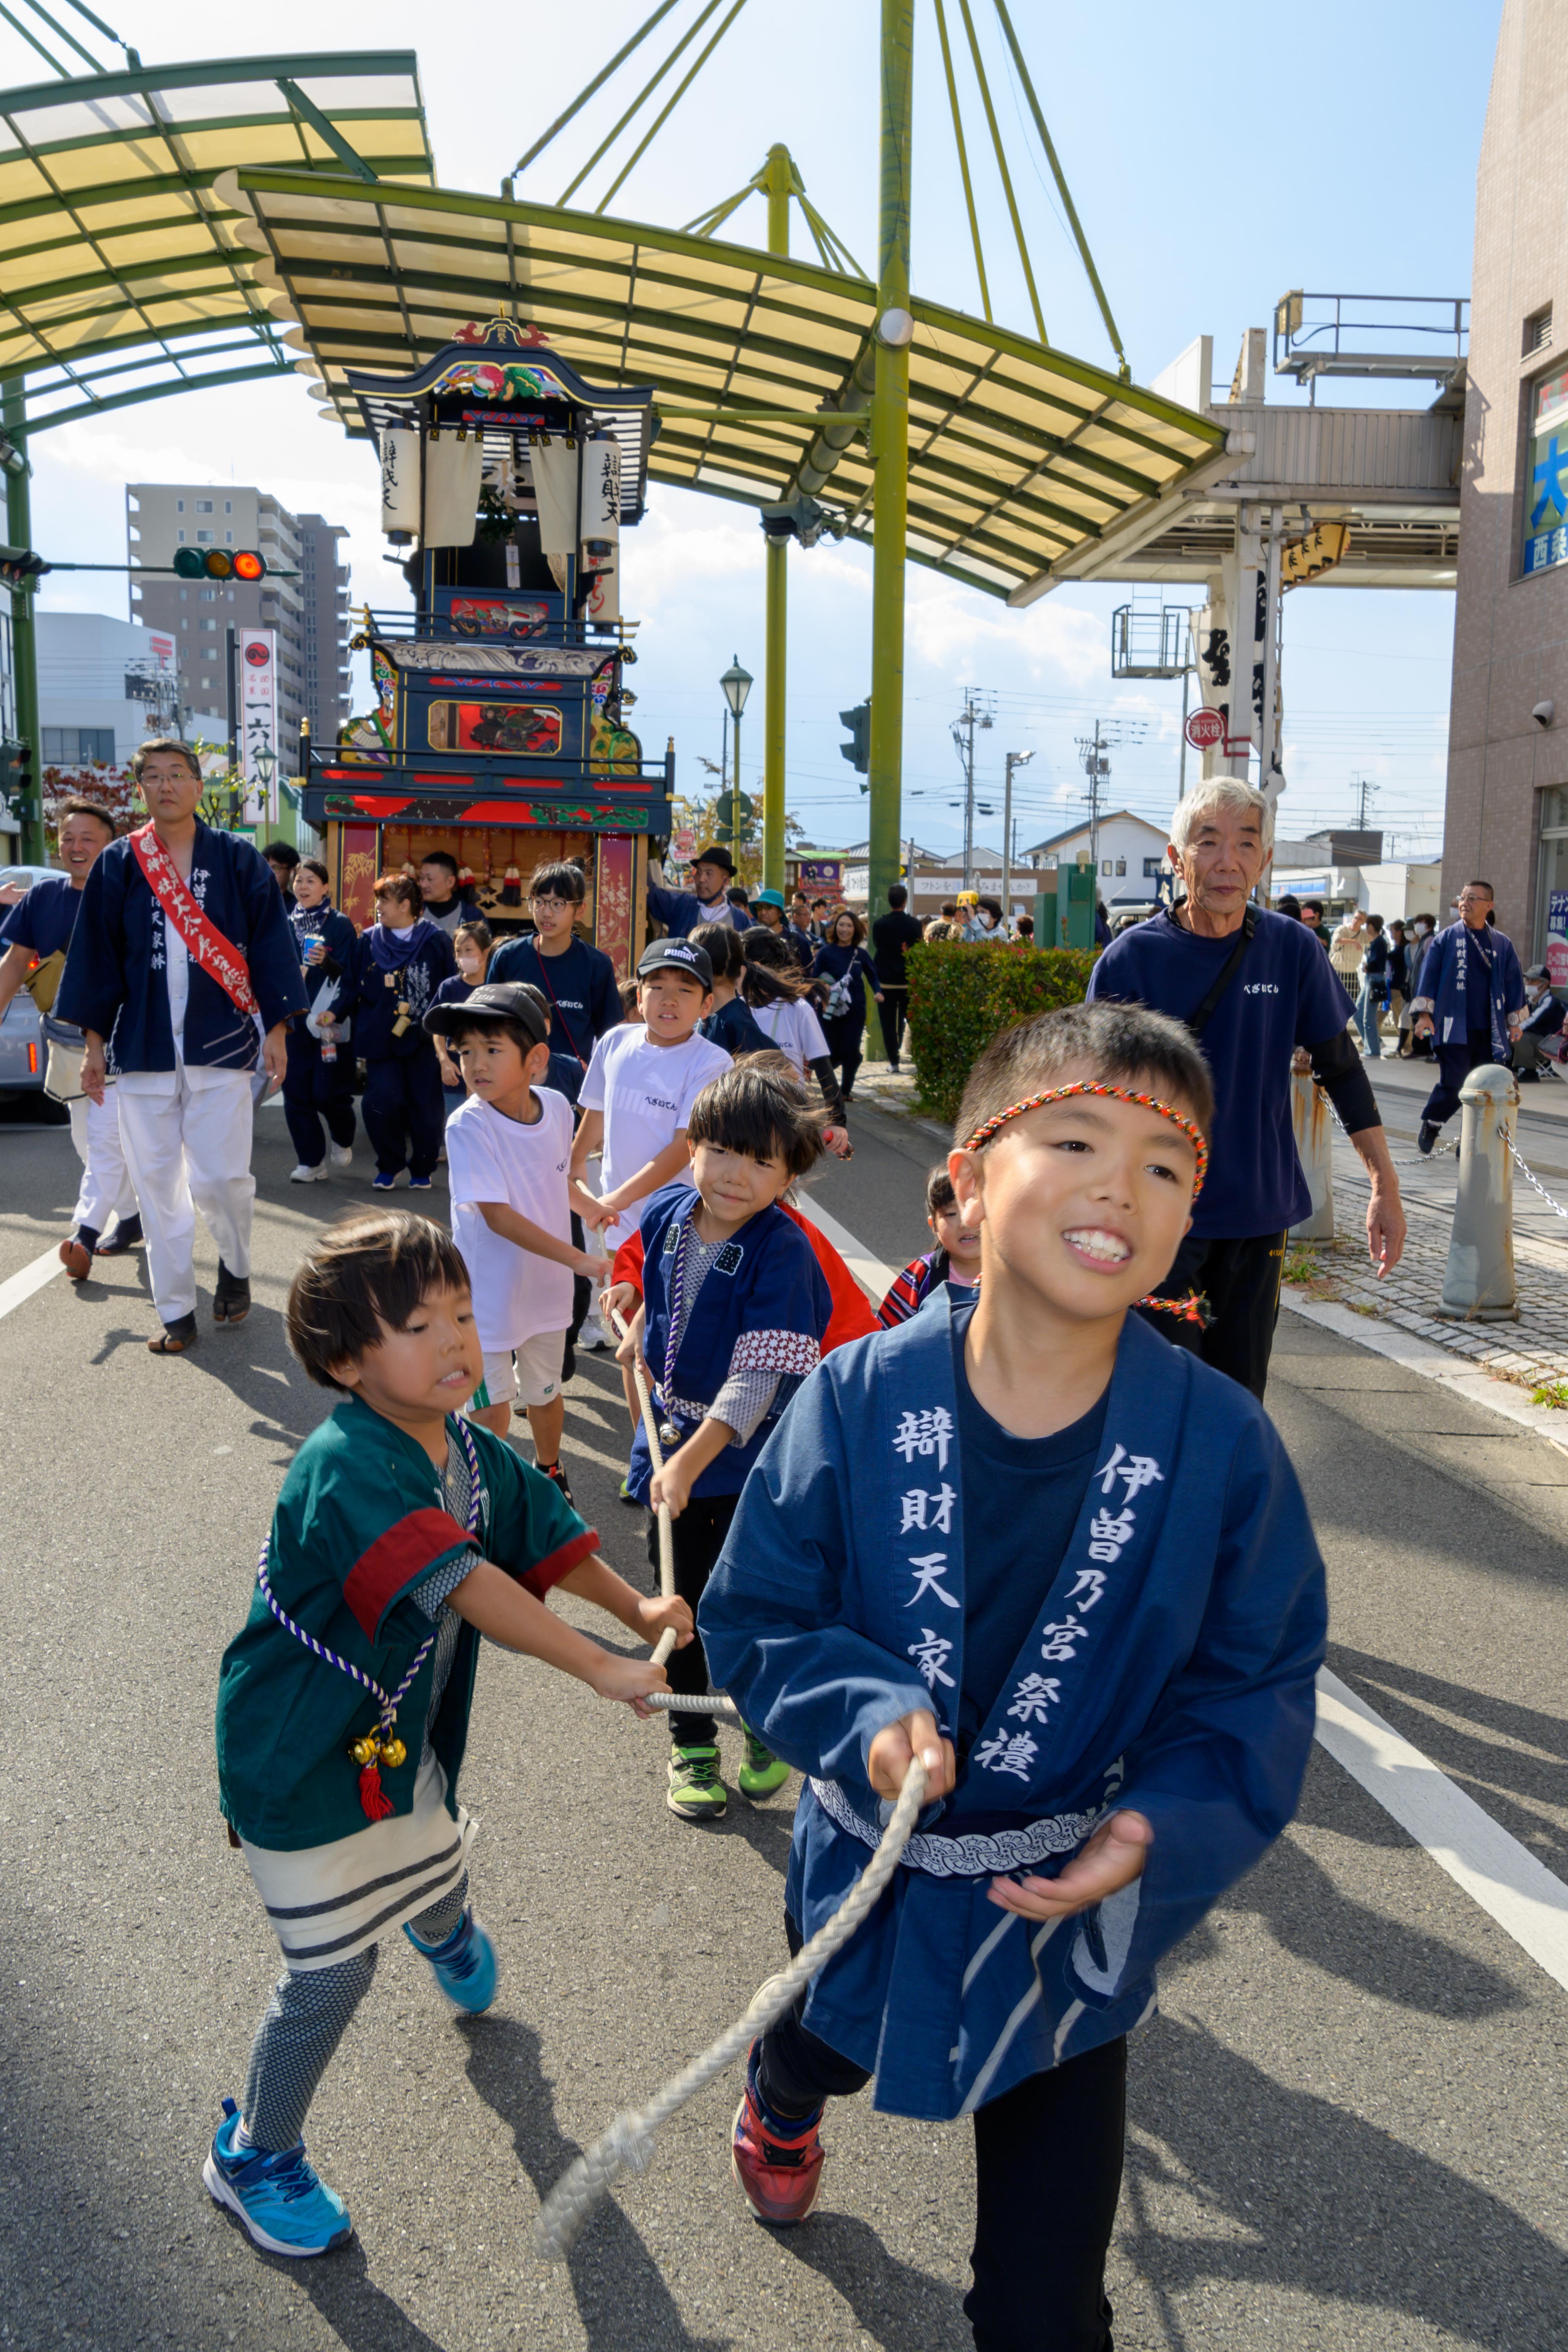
[(678, 1703), (666, 1641), (627, 2145)]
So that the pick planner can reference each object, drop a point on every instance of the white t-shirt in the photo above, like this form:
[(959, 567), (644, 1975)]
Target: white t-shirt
[(646, 1092), (492, 1158), (795, 1030)]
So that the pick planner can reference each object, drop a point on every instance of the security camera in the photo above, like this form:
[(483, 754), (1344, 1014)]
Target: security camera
[(1544, 713)]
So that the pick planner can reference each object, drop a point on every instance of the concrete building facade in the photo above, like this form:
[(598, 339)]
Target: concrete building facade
[(104, 685), (309, 611), (1507, 818)]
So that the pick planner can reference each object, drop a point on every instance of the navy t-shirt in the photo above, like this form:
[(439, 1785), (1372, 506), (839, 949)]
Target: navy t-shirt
[(45, 920), (1286, 993), (1021, 1497), (579, 987)]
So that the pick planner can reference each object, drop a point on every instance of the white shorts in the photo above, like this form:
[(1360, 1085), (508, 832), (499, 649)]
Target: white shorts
[(531, 1374)]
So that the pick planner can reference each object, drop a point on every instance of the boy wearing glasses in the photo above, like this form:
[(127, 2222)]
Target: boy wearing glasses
[(576, 981)]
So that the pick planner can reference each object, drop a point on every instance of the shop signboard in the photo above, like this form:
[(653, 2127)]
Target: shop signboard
[(1546, 477)]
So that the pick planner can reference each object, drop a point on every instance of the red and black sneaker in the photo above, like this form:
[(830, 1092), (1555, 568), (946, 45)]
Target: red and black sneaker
[(779, 2177), (557, 1477)]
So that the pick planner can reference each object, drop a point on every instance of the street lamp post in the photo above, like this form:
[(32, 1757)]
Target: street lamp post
[(736, 684), (1015, 759)]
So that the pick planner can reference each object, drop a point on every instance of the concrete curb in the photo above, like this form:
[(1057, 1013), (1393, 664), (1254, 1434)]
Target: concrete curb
[(1403, 1348)]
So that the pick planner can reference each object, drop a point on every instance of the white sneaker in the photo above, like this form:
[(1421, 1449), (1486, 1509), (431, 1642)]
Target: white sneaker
[(593, 1334), (342, 1155), (303, 1175)]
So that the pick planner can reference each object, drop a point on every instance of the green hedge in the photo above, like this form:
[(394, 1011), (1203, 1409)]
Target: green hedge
[(960, 997)]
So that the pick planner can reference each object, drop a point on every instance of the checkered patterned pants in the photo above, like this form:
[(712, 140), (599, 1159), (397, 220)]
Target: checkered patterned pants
[(303, 2023)]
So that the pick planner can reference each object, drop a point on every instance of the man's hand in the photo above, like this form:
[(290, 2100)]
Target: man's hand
[(655, 1616), (94, 1068), (1385, 1230), (836, 1140), (275, 1057), (1112, 1859), (897, 1745)]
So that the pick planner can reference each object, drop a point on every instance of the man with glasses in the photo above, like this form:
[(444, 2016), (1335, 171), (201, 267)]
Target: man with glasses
[(1471, 1003)]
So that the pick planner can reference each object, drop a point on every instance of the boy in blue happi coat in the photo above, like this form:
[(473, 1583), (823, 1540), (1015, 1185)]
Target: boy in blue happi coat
[(1077, 1579), (735, 1310)]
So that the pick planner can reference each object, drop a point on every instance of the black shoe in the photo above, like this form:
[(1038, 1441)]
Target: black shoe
[(1529, 1078), (231, 1299), (127, 1236), (1430, 1131), (557, 1477)]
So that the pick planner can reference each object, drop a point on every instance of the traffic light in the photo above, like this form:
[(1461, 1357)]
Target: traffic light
[(858, 750), (19, 566), (218, 564), (16, 782)]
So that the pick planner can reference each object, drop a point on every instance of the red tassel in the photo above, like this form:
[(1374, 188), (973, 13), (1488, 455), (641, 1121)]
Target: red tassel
[(373, 1798)]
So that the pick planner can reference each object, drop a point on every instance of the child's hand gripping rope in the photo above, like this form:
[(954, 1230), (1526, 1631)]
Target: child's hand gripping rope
[(628, 2143)]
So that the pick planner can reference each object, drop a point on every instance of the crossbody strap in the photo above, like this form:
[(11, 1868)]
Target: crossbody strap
[(1198, 1022)]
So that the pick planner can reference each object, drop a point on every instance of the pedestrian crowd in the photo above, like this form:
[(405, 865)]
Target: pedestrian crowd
[(1024, 1525)]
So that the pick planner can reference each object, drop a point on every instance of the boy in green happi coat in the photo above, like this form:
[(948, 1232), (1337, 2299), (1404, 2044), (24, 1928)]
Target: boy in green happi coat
[(401, 1535)]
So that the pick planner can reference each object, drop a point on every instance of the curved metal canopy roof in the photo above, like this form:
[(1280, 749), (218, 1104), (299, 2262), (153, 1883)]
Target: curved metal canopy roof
[(1020, 457), (119, 276)]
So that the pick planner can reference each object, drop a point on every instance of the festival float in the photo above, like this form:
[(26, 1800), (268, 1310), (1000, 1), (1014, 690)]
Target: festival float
[(499, 729)]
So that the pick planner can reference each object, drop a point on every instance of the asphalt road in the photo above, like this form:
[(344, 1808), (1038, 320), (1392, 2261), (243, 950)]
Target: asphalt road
[(1348, 2123)]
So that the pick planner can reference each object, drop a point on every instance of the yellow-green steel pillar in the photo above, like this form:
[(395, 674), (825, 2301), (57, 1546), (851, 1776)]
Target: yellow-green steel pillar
[(24, 629), (890, 452), (777, 176)]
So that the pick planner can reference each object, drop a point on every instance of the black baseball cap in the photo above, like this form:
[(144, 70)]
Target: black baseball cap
[(677, 955), (501, 1000)]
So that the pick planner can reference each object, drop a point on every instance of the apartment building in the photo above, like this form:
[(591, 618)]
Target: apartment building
[(304, 597)]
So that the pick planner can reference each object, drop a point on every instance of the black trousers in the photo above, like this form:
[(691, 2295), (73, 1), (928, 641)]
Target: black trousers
[(698, 1534), (314, 1090), (844, 1038), (1455, 1064), (891, 1013), (1047, 2175), (1241, 1281), (405, 1112)]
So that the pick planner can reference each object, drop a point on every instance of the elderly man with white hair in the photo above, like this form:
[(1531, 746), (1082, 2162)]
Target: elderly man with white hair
[(1254, 986)]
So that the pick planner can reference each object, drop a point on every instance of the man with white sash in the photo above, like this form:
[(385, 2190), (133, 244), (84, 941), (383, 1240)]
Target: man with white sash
[(35, 934), (182, 962), (1069, 1568)]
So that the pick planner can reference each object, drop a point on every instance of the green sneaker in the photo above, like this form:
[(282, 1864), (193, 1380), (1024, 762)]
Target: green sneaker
[(696, 1793), (762, 1771)]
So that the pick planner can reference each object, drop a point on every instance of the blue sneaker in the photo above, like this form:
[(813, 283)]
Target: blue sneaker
[(282, 2203), (383, 1183), (465, 1967), (420, 1184)]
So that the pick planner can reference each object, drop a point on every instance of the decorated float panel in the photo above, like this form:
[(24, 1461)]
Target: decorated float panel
[(498, 730)]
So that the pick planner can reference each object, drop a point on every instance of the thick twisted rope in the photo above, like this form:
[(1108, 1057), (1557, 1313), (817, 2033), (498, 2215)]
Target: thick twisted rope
[(666, 1641), (628, 2143)]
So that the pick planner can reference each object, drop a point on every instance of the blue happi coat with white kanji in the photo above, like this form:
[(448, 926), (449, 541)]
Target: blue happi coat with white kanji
[(763, 1307), (1170, 1669)]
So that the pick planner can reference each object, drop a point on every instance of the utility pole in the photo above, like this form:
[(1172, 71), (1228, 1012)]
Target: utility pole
[(1015, 759), (1095, 765), (24, 628), (1365, 792), (775, 638), (972, 715)]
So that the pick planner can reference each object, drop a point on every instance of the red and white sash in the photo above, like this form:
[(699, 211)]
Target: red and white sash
[(217, 956)]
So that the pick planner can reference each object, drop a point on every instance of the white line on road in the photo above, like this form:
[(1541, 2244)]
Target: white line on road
[(32, 1277), (873, 1276), (1432, 1362), (1504, 1877)]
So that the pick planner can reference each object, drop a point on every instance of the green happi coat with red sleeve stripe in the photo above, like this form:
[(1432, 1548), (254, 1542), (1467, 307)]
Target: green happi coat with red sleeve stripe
[(361, 1522)]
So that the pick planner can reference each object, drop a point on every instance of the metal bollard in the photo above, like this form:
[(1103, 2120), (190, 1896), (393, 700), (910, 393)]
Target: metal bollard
[(1479, 1286), (1314, 1125)]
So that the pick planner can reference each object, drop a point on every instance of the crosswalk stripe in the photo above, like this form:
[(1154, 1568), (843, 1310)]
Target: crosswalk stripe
[(21, 1286)]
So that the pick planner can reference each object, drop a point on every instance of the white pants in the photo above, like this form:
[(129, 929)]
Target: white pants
[(106, 1187), (188, 1148)]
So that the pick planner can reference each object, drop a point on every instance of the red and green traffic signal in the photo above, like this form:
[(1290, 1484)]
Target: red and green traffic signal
[(219, 564)]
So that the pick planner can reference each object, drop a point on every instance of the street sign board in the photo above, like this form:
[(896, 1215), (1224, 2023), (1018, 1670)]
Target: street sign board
[(1206, 729)]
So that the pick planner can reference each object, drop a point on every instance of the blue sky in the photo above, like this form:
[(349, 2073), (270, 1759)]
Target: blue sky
[(1216, 162)]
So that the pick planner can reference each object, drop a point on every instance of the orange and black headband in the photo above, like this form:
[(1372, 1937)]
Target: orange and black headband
[(1189, 1127)]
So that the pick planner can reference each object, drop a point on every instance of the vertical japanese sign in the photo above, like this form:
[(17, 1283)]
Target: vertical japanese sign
[(615, 857), (259, 722), (1557, 937), (1546, 476)]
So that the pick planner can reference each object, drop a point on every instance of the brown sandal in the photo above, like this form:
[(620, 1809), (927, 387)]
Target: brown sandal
[(175, 1337), (76, 1258)]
